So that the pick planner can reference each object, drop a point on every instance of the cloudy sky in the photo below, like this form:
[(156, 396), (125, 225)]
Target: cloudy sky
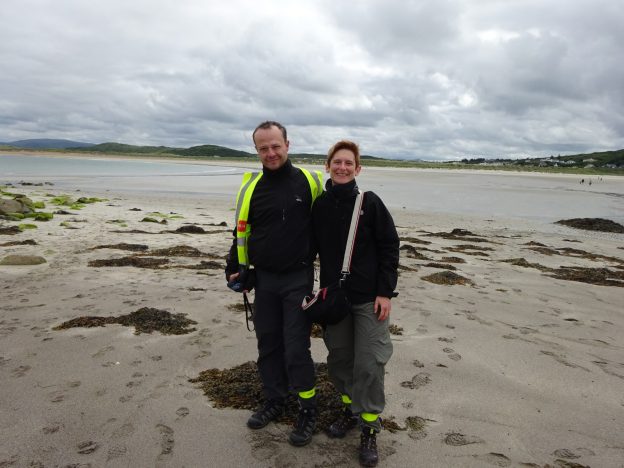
[(441, 79)]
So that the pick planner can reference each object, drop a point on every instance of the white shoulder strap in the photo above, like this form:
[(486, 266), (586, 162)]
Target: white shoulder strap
[(355, 218)]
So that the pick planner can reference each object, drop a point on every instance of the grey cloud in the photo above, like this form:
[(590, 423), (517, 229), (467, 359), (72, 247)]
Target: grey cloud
[(404, 78)]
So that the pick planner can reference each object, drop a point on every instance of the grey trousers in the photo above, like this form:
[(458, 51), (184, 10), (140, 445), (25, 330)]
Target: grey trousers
[(359, 348)]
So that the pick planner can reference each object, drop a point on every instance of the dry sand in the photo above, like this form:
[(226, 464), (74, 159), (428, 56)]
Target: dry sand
[(516, 369)]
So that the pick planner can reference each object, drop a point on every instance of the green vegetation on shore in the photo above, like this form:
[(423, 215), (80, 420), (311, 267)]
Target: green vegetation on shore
[(598, 163)]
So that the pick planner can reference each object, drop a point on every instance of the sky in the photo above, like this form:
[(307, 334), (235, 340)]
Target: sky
[(433, 80)]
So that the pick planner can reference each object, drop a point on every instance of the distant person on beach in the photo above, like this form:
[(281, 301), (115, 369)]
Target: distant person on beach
[(272, 234), (359, 346)]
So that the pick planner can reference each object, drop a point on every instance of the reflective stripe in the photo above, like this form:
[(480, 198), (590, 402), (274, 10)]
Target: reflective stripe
[(248, 179), (346, 400), (315, 179), (369, 417), (307, 394), (243, 200)]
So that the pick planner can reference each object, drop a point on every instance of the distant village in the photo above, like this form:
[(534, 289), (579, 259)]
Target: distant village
[(606, 160)]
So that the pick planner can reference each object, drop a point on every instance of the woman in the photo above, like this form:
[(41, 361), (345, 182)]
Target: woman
[(359, 346)]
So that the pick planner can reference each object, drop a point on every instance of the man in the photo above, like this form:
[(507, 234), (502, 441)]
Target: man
[(272, 234)]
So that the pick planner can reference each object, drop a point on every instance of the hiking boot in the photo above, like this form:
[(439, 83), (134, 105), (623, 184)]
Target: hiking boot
[(345, 422), (368, 447), (304, 428), (271, 410)]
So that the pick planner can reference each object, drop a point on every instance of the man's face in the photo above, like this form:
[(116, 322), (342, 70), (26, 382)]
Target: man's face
[(342, 168), (271, 147)]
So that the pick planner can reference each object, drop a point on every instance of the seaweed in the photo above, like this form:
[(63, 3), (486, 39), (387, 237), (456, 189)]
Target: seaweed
[(447, 278), (145, 320), (122, 246), (240, 388), (592, 224), (139, 262)]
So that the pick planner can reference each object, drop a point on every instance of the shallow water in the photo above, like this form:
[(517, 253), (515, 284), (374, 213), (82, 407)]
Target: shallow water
[(544, 197)]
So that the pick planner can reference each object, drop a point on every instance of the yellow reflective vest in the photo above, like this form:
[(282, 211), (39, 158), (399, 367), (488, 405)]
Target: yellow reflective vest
[(243, 201)]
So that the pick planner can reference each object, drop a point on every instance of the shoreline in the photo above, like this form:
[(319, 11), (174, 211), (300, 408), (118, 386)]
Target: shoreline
[(519, 367), (230, 162)]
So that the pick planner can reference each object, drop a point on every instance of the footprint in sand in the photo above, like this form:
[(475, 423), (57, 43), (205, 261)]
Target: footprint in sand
[(417, 381), (51, 429), (452, 354), (496, 459), (56, 397), (87, 447), (569, 454), (182, 412), (116, 451), (103, 351), (167, 442), (20, 371), (457, 439), (264, 445)]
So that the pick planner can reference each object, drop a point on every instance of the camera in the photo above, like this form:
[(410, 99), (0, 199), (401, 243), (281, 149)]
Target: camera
[(241, 283)]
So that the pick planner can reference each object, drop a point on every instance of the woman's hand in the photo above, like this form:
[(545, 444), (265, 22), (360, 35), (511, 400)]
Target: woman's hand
[(382, 307)]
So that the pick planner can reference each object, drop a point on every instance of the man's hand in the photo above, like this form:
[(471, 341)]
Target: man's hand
[(382, 307), (232, 277)]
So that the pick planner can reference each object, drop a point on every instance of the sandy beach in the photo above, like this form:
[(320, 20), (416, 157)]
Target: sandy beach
[(515, 359)]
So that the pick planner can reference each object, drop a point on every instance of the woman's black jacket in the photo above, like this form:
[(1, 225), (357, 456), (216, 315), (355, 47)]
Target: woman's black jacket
[(376, 254)]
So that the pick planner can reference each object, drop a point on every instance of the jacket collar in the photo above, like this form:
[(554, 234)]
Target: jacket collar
[(278, 173), (342, 191)]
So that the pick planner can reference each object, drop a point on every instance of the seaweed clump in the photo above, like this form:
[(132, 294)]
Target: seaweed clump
[(459, 234), (10, 231), (144, 320), (123, 246), (599, 276), (593, 224), (139, 262), (239, 387), (447, 278), (24, 242)]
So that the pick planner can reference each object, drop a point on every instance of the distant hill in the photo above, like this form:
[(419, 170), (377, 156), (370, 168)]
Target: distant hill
[(47, 143)]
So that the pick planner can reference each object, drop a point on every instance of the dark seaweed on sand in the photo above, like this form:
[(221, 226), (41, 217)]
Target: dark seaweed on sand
[(593, 224), (447, 278), (240, 388), (145, 320)]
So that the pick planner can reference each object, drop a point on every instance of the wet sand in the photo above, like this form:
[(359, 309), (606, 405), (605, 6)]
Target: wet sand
[(517, 366)]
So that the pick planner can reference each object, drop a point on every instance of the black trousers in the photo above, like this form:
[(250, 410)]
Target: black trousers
[(283, 332)]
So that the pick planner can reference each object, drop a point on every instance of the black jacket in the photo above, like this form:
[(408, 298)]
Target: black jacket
[(279, 216), (376, 255)]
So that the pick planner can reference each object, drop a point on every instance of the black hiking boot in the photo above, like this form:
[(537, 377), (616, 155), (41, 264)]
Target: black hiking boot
[(345, 422), (368, 447), (271, 410), (304, 428)]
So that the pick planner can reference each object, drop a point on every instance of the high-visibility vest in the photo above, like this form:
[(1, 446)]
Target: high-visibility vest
[(243, 201)]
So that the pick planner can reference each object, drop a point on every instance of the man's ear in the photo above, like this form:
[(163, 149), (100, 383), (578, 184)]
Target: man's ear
[(357, 170)]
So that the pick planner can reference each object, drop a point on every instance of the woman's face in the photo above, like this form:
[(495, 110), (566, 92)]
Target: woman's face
[(342, 168)]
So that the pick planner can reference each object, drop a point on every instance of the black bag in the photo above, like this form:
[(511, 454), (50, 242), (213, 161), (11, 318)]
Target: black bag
[(328, 306)]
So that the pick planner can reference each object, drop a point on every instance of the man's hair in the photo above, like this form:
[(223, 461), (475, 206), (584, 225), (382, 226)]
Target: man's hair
[(344, 144), (267, 125)]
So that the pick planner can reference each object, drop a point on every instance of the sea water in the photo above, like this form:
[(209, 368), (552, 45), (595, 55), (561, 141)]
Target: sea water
[(544, 197)]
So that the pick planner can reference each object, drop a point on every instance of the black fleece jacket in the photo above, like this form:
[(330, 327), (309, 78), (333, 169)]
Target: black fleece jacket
[(279, 216), (376, 255)]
